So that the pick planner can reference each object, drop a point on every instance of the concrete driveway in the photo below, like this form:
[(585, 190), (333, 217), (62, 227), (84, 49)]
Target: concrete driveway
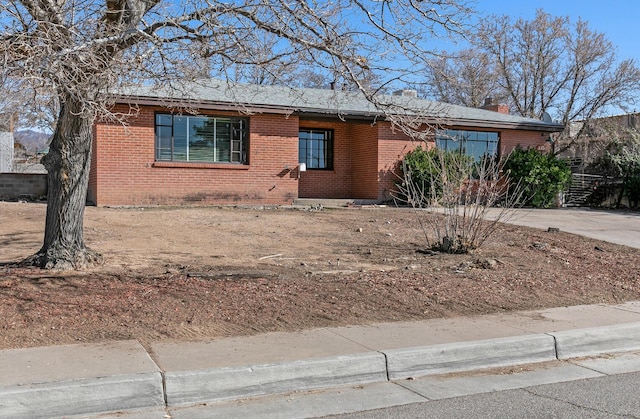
[(618, 227)]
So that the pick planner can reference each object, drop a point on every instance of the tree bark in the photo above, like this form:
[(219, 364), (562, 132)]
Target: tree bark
[(68, 163)]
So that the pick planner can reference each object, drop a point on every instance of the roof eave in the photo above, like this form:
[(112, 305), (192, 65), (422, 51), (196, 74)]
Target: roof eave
[(540, 127), (529, 126), (328, 113), (198, 104)]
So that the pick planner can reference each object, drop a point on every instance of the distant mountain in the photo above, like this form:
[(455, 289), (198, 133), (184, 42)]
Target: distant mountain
[(31, 140)]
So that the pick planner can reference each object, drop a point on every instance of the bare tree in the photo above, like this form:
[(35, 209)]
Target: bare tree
[(464, 78), (528, 58), (547, 64), (80, 51)]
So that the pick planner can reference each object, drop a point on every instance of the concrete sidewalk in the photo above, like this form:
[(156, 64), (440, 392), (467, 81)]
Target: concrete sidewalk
[(168, 378)]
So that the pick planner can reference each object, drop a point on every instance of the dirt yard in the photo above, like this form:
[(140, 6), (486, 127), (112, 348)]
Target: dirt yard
[(199, 273)]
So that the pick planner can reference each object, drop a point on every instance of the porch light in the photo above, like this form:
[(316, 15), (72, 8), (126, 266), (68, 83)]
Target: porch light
[(302, 167)]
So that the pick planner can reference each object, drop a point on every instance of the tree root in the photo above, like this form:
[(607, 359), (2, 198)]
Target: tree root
[(64, 259)]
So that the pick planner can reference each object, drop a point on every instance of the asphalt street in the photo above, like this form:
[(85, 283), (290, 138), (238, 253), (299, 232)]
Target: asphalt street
[(614, 396)]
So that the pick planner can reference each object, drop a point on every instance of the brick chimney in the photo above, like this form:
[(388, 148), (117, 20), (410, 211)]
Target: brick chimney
[(490, 106), (406, 93)]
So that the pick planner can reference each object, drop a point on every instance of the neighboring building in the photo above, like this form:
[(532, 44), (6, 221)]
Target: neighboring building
[(6, 143), (6, 152), (594, 184), (32, 147), (597, 134), (251, 144)]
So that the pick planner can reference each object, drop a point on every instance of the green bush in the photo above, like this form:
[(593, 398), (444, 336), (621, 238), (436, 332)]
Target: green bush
[(428, 170), (542, 176)]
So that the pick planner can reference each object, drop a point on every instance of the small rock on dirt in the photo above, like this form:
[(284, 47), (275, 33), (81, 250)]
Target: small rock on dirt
[(487, 263)]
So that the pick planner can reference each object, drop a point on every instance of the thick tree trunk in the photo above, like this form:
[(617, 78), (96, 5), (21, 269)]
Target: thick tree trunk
[(67, 163)]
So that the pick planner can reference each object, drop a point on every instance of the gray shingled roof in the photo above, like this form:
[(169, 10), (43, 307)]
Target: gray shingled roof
[(323, 102)]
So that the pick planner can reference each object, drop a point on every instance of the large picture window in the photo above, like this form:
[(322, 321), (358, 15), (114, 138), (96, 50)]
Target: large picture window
[(315, 148), (187, 138), (472, 143)]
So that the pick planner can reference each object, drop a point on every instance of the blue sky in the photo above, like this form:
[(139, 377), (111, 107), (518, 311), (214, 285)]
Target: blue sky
[(618, 20)]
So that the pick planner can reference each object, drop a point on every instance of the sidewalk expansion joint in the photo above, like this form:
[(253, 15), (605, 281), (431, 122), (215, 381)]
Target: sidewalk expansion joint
[(163, 379), (164, 389), (357, 342), (555, 345), (573, 362), (626, 310), (412, 390), (386, 364)]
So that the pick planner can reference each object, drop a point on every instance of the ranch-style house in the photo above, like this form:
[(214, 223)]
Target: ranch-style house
[(216, 142)]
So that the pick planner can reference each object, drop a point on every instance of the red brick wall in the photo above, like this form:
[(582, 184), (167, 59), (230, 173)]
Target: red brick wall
[(510, 139), (124, 171), (366, 157), (364, 161), (334, 183), (392, 146)]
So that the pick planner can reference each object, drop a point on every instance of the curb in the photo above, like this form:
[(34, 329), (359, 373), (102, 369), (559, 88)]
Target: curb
[(467, 356), (126, 392), (227, 383), (82, 397), (598, 340)]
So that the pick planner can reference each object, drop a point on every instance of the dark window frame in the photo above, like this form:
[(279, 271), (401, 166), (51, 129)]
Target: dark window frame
[(313, 147), (461, 138), (236, 151)]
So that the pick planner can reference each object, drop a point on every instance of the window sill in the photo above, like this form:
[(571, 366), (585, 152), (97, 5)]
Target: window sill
[(200, 165)]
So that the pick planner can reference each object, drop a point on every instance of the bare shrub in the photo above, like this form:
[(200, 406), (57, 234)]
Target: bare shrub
[(451, 195)]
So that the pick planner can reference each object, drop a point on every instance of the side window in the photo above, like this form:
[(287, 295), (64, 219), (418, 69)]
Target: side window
[(164, 137)]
